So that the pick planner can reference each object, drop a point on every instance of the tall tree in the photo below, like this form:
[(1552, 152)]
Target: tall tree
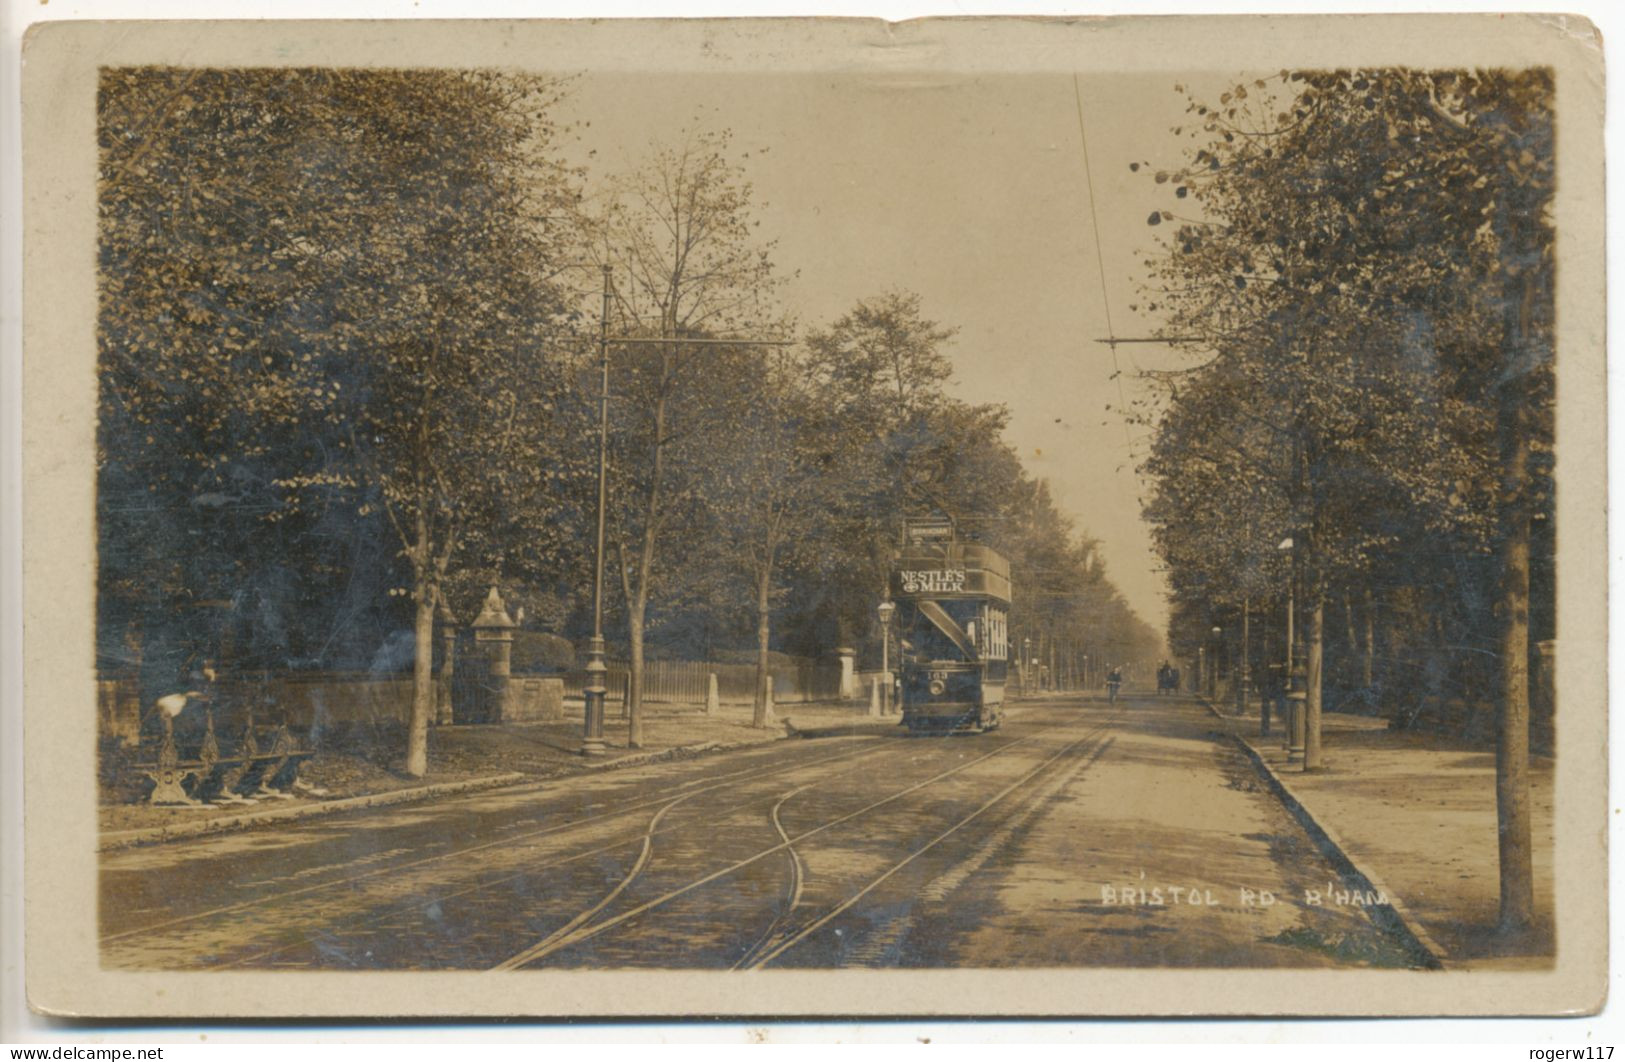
[(1369, 265), (883, 368), (770, 490), (689, 264), (349, 275)]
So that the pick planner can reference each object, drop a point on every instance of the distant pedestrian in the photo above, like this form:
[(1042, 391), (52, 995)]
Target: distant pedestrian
[(1114, 679)]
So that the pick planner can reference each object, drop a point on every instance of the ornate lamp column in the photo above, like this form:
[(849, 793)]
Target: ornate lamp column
[(592, 725), (885, 609)]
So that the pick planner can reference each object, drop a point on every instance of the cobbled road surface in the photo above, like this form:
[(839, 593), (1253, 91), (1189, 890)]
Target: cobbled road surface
[(1079, 834)]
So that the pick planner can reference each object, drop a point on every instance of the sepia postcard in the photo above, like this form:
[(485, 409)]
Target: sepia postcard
[(782, 518)]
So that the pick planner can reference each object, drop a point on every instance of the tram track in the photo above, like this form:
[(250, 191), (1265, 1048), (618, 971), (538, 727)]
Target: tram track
[(421, 907), (556, 942), (765, 955), (797, 879), (646, 839), (692, 786)]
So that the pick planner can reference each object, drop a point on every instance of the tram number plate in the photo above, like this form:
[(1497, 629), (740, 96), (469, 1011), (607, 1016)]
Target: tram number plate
[(940, 676)]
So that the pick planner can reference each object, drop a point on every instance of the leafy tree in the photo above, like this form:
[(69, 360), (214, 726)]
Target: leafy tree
[(882, 370), (680, 233), (905, 447), (769, 491), (335, 280), (1368, 266)]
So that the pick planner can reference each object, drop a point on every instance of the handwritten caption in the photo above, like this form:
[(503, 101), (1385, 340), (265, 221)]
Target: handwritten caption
[(1141, 895)]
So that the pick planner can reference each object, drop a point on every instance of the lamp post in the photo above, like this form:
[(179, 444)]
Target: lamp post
[(1026, 661), (592, 695), (1213, 664), (1291, 591), (1294, 705), (885, 610)]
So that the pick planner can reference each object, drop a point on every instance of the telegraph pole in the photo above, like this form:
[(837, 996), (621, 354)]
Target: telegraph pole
[(592, 728), (593, 694)]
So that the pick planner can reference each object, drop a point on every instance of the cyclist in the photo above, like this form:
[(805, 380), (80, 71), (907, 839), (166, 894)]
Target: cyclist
[(1114, 679)]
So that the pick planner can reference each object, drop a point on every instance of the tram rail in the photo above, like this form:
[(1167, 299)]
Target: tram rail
[(692, 786), (556, 942)]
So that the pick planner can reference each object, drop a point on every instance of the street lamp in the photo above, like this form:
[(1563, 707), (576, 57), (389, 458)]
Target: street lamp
[(1286, 546), (592, 695), (885, 609), (1213, 664), (1297, 695), (1026, 662)]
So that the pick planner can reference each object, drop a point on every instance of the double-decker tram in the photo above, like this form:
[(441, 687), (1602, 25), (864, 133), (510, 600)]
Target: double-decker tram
[(953, 603)]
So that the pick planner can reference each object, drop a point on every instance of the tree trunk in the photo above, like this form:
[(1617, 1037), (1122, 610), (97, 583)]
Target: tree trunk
[(632, 702), (1512, 722), (638, 602), (1317, 656), (1524, 355), (1240, 675), (761, 717), (1366, 669), (423, 688)]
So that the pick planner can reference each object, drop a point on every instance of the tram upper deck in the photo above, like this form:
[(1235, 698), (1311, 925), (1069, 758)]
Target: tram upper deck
[(950, 569)]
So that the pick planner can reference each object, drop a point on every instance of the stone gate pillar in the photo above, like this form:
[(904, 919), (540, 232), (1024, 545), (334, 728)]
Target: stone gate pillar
[(493, 633), (448, 661)]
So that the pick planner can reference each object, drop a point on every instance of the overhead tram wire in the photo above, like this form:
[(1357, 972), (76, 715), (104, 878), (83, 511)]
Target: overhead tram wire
[(1105, 298)]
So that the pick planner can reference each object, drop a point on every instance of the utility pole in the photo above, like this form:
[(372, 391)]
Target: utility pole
[(593, 694), (592, 728)]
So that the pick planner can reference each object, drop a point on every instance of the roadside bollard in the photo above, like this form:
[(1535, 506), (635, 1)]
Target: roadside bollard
[(713, 702)]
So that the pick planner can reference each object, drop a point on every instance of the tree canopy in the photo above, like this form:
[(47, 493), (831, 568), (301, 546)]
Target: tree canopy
[(1362, 262), (349, 381)]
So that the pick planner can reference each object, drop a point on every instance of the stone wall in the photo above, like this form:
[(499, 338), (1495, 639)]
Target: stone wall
[(311, 701), (534, 700)]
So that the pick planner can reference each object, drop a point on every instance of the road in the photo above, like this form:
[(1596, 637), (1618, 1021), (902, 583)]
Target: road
[(1080, 834)]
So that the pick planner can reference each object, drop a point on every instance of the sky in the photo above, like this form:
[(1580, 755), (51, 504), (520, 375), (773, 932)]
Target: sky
[(971, 191)]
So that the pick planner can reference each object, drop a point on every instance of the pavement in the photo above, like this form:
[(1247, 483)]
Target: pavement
[(1414, 814), (1079, 834)]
